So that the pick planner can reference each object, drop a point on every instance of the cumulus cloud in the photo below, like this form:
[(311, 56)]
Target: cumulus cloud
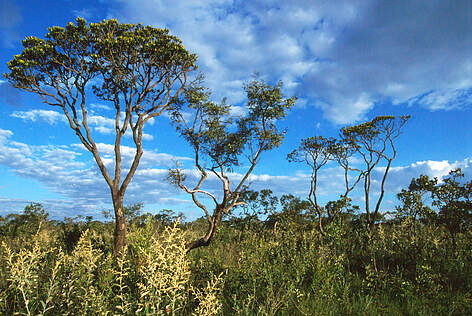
[(443, 100), (345, 56), (400, 177), (4, 135), (49, 116), (69, 171), (100, 106), (85, 13), (100, 124), (391, 50)]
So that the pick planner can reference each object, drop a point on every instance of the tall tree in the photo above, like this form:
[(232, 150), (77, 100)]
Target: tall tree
[(222, 142), (138, 69), (374, 141), (316, 152)]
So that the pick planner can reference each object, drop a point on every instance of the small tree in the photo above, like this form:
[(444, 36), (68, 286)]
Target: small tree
[(413, 206), (294, 214), (453, 198), (316, 152), (222, 142), (255, 204), (374, 142), (139, 70)]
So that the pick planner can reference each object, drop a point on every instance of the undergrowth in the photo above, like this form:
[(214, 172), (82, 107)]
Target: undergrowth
[(247, 270)]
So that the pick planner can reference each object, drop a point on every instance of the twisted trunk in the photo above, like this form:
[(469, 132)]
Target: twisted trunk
[(205, 240)]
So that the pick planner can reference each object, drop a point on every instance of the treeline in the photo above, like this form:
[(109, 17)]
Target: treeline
[(272, 259)]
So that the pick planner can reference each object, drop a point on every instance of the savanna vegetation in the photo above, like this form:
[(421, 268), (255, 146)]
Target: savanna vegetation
[(416, 263), (252, 252)]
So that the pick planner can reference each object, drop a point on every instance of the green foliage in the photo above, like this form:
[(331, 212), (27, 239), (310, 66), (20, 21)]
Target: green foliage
[(372, 133), (107, 49), (153, 278), (315, 151), (219, 138), (273, 265), (291, 270), (26, 224), (452, 200), (266, 105)]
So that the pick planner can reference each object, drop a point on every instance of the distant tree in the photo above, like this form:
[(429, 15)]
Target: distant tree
[(450, 207), (139, 70), (258, 203), (413, 206), (341, 206), (295, 214), (222, 142), (14, 225), (374, 141), (453, 198), (255, 205), (132, 211), (316, 152)]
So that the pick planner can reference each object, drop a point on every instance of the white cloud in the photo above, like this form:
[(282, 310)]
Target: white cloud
[(174, 200), (238, 111), (98, 120), (352, 110), (69, 170), (101, 124), (103, 130), (4, 134), (344, 55), (49, 116), (400, 177), (444, 100)]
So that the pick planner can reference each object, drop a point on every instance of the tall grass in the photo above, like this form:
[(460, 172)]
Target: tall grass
[(152, 278), (291, 270)]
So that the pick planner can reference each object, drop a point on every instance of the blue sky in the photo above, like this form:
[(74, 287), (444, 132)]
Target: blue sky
[(347, 61)]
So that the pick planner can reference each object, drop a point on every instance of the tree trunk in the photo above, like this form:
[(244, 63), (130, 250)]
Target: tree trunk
[(369, 221), (120, 226), (205, 240), (320, 221)]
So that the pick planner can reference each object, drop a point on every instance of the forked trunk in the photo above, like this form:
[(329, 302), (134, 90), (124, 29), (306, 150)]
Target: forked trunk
[(120, 226)]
